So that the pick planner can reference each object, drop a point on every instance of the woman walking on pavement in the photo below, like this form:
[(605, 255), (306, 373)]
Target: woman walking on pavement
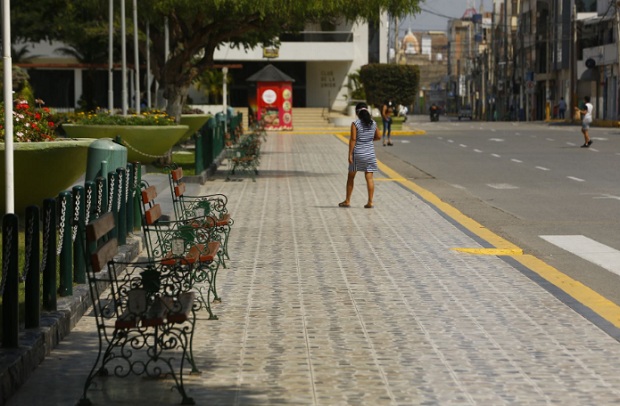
[(387, 111), (364, 132), (585, 121)]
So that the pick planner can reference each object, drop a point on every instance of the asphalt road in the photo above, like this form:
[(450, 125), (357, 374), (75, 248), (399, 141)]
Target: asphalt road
[(523, 181)]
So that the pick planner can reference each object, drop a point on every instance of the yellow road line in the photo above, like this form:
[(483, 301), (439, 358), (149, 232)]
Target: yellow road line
[(602, 306), (491, 251)]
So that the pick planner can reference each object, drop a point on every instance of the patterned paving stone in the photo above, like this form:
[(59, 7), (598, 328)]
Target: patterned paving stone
[(331, 306)]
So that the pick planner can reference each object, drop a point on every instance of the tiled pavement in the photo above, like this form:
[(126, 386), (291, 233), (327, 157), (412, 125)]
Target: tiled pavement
[(331, 306)]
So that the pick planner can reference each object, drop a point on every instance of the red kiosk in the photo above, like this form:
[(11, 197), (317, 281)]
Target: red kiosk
[(273, 100)]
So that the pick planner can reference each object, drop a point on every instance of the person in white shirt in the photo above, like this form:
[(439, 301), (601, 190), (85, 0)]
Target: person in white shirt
[(586, 120)]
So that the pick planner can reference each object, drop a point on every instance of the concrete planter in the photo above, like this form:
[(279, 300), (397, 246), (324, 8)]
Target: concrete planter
[(43, 169), (144, 143), (194, 122)]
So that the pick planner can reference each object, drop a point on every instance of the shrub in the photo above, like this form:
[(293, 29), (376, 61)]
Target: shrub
[(398, 83)]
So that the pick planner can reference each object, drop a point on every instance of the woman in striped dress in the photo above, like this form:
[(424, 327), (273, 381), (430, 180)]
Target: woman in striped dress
[(362, 157)]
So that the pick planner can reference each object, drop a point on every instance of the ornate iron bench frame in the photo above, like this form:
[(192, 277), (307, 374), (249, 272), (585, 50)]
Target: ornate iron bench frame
[(144, 314), (184, 243), (211, 208)]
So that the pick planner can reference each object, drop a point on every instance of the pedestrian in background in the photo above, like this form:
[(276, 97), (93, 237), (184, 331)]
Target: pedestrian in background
[(387, 111), (364, 132), (561, 108), (586, 120)]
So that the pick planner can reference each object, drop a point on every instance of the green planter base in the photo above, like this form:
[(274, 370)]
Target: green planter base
[(144, 144), (42, 170), (194, 122)]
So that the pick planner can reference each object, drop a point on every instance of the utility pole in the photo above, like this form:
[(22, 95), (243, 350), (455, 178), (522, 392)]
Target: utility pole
[(618, 44), (573, 61)]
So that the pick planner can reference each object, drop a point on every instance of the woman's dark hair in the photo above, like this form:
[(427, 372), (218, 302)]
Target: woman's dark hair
[(587, 99), (361, 109)]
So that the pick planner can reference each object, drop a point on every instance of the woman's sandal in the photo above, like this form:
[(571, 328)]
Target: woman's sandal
[(344, 204), (368, 206)]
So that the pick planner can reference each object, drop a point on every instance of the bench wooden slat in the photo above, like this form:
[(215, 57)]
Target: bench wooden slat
[(179, 189), (153, 214), (149, 194), (99, 227), (177, 174), (104, 254)]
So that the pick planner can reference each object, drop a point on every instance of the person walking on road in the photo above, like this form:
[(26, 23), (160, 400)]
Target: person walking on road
[(387, 111), (364, 132), (586, 120), (561, 108)]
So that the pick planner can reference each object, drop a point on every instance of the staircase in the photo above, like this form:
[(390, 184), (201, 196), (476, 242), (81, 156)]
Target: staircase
[(303, 117), (310, 117)]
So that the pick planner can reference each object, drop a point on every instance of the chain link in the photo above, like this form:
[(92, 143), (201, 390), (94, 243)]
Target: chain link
[(76, 217), (47, 230), (6, 259), (29, 243), (127, 176), (89, 202), (119, 192), (61, 228), (125, 143), (111, 194), (99, 198), (135, 181)]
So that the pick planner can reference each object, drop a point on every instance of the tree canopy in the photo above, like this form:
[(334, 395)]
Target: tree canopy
[(196, 28)]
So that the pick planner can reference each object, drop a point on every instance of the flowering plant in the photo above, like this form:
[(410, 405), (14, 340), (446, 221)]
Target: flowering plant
[(149, 117), (29, 124)]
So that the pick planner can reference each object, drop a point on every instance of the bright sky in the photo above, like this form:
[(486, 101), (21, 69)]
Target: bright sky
[(436, 13)]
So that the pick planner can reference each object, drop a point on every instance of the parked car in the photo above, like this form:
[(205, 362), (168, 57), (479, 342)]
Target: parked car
[(465, 112)]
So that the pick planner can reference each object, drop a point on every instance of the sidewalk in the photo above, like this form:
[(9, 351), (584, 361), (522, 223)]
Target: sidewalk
[(330, 306)]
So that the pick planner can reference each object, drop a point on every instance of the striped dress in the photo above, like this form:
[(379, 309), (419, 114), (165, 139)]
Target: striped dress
[(364, 159)]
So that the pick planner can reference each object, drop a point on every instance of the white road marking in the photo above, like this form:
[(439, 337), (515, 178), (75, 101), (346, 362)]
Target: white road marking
[(607, 196), (450, 141), (496, 156), (496, 139), (517, 161), (588, 249), (575, 179), (463, 145), (477, 150), (572, 144), (405, 141), (502, 186), (542, 168), (550, 139)]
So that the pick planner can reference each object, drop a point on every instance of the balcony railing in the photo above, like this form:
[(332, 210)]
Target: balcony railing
[(318, 36)]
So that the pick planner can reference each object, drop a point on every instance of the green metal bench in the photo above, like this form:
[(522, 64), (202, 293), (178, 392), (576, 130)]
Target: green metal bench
[(185, 243), (244, 157), (211, 208), (145, 323)]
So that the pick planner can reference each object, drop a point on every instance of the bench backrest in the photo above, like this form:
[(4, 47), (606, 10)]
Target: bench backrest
[(96, 233), (152, 210)]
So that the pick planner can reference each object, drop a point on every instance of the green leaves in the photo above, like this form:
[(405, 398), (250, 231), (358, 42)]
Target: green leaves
[(398, 83)]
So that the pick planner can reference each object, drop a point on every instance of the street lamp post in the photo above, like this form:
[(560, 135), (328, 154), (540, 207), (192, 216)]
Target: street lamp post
[(8, 106), (225, 95)]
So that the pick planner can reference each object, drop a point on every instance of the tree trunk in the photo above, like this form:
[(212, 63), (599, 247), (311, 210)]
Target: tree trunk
[(176, 94)]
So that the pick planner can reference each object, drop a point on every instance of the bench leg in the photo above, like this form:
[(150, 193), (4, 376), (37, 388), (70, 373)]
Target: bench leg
[(202, 275)]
